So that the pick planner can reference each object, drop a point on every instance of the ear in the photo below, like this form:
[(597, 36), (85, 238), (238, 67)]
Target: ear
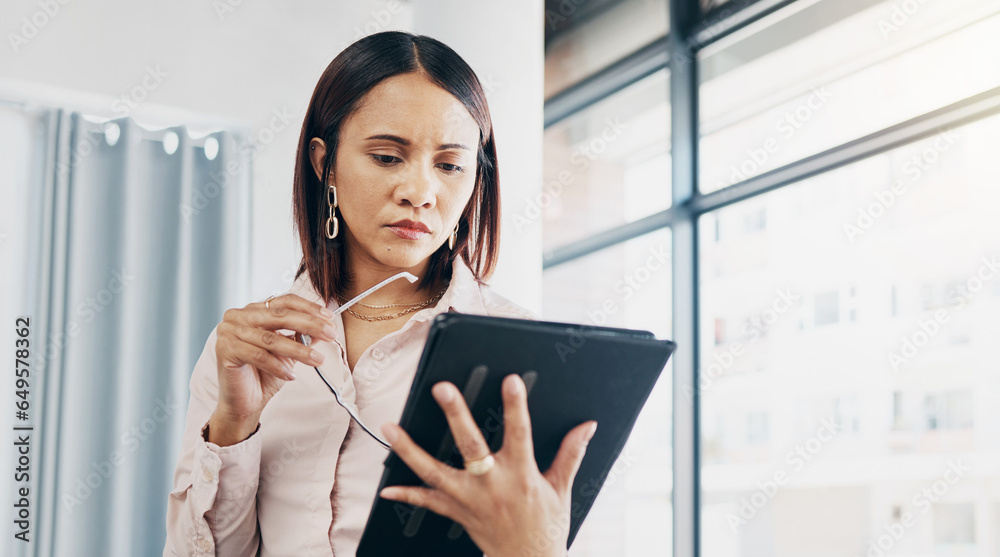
[(317, 156)]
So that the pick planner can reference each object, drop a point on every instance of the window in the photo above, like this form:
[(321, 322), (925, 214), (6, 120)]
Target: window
[(626, 285), (607, 165), (755, 221), (897, 411), (756, 428), (893, 360), (826, 309), (584, 36), (847, 414), (954, 527), (953, 410), (841, 194), (606, 174), (762, 107)]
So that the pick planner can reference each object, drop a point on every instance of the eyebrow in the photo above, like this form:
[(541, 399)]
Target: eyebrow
[(402, 141)]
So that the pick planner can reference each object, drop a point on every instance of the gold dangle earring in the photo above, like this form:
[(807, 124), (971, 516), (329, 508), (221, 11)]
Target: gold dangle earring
[(452, 238), (332, 219)]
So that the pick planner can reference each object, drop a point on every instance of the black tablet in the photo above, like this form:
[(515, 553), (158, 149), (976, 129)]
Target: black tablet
[(573, 373)]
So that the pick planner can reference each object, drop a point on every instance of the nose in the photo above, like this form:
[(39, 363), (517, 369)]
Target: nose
[(418, 188)]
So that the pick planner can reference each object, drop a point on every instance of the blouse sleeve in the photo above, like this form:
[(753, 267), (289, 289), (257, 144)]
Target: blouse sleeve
[(212, 509)]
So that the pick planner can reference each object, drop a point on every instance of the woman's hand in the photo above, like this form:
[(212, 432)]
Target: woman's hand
[(513, 509), (254, 360)]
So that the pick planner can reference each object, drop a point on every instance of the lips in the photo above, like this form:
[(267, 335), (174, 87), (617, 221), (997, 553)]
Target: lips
[(411, 225), (408, 229)]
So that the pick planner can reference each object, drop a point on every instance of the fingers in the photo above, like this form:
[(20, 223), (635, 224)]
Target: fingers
[(567, 462), (295, 302), (278, 345), (431, 499), (432, 471), (517, 422), (468, 438), (290, 312), (242, 352), (295, 313)]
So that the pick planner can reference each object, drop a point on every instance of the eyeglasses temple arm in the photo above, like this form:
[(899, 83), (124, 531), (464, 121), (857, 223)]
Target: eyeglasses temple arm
[(306, 340)]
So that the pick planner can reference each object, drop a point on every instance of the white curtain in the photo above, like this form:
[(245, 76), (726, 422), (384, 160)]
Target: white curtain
[(123, 246)]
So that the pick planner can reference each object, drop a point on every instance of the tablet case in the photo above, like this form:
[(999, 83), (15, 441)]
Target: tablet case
[(573, 373)]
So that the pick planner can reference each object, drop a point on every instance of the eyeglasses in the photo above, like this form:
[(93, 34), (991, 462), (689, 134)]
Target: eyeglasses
[(351, 408)]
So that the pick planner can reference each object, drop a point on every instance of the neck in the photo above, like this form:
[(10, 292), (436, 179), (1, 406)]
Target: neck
[(367, 273)]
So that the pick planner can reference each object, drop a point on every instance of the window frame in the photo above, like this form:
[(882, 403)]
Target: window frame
[(691, 30)]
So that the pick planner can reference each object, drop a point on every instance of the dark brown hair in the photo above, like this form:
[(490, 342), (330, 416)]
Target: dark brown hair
[(348, 78)]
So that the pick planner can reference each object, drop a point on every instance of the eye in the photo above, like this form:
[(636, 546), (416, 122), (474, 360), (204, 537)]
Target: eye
[(383, 160), (452, 168)]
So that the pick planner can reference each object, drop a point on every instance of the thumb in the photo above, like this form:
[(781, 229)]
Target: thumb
[(567, 462)]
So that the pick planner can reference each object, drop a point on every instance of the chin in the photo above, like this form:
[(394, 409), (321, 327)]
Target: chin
[(404, 257)]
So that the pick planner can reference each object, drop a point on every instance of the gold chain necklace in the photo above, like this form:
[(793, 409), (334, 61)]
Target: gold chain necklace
[(412, 309), (387, 306)]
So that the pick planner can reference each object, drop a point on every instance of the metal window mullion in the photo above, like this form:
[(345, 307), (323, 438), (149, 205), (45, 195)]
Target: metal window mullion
[(653, 57), (684, 172), (606, 82), (726, 20), (608, 238), (957, 114), (977, 107)]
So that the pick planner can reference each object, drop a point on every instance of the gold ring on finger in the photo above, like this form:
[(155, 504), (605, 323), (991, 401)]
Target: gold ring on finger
[(267, 302), (480, 466)]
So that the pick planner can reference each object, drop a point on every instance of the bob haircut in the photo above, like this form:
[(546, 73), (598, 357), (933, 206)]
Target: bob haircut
[(340, 90)]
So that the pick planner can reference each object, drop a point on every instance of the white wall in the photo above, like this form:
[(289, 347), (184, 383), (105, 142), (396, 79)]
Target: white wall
[(504, 44), (233, 62)]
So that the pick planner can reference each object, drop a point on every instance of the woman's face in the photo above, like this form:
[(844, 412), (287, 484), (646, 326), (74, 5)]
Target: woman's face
[(405, 170)]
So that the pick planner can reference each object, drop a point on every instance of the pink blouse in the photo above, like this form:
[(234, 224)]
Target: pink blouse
[(304, 482)]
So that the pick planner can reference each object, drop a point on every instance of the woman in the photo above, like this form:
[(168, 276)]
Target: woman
[(396, 171)]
